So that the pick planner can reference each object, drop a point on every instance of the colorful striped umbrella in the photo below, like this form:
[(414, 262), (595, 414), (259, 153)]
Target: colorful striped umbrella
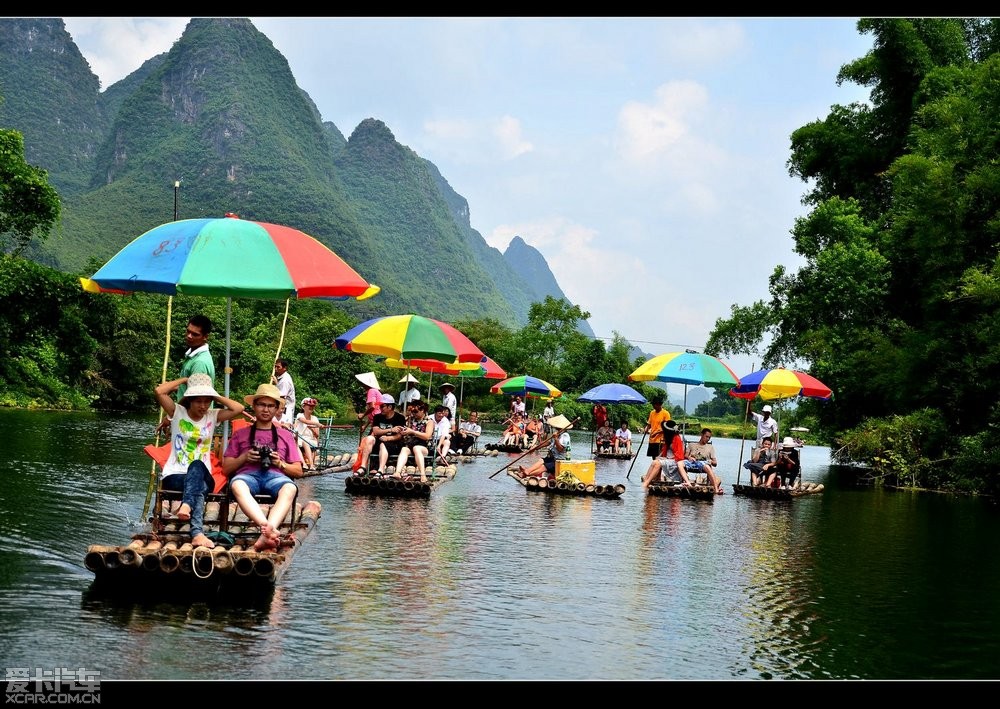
[(525, 385), (780, 383), (409, 337), (688, 367), (229, 257)]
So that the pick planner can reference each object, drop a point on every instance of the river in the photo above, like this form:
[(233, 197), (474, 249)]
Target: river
[(486, 581)]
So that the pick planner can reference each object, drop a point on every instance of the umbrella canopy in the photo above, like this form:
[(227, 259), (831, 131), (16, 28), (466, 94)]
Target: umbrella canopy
[(525, 385), (780, 383), (612, 394), (487, 369), (408, 337), (229, 257), (687, 367)]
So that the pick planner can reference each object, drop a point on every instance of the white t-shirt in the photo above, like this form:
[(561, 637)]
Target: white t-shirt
[(190, 440), (765, 428), (287, 388), (624, 434)]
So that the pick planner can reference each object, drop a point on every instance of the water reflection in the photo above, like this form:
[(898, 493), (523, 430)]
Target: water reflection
[(486, 580)]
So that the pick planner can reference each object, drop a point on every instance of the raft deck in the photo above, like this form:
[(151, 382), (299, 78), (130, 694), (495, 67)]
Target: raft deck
[(537, 484), (776, 493), (164, 561), (706, 493), (407, 485)]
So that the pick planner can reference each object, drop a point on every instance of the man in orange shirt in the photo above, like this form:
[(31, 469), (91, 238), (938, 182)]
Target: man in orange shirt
[(654, 425)]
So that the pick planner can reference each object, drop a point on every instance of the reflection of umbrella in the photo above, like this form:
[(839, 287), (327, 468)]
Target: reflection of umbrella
[(525, 385), (229, 257), (612, 394), (685, 368), (780, 383), (410, 337)]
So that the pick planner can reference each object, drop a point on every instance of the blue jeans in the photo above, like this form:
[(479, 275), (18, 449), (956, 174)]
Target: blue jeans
[(259, 483), (195, 484)]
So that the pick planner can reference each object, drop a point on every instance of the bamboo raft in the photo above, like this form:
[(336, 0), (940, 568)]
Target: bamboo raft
[(537, 484), (408, 485), (506, 448), (164, 561), (691, 492), (617, 456), (776, 493)]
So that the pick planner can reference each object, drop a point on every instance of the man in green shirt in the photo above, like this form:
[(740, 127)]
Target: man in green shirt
[(197, 358)]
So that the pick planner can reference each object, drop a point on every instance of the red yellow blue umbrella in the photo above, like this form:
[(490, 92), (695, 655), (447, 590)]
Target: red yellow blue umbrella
[(229, 257), (780, 383), (409, 337), (525, 385)]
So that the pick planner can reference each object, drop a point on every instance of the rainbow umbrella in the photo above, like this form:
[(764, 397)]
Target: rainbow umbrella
[(486, 369), (229, 257), (780, 383), (525, 385), (688, 367), (410, 337)]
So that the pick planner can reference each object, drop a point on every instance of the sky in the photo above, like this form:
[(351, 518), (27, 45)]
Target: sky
[(645, 158)]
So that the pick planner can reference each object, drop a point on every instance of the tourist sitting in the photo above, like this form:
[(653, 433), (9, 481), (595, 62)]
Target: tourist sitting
[(558, 447), (532, 431), (262, 458), (605, 438), (417, 436), (468, 434), (785, 468), (514, 432), (192, 427), (442, 432), (671, 458), (386, 433), (306, 430), (762, 457), (700, 458), (623, 439)]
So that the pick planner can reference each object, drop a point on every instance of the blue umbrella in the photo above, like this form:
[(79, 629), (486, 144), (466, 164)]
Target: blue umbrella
[(612, 394)]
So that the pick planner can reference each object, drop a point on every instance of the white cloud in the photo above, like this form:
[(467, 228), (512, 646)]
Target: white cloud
[(117, 46), (512, 143), (701, 43), (655, 131)]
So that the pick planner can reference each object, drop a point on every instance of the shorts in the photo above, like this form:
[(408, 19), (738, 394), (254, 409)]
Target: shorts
[(393, 447), (550, 464), (694, 465), (260, 483), (653, 449), (669, 470)]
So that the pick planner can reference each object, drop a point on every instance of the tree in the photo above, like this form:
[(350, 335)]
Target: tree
[(29, 205)]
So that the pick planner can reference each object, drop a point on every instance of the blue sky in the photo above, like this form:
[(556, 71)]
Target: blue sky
[(644, 157)]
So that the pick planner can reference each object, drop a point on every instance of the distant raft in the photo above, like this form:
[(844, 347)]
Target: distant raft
[(407, 485), (777, 493), (616, 456), (553, 487), (706, 493)]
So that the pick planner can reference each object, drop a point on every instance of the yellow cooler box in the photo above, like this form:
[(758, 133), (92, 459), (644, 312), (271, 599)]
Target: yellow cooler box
[(582, 469)]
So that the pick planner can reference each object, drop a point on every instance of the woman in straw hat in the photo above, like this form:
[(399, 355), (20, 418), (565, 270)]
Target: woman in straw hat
[(192, 427), (373, 400)]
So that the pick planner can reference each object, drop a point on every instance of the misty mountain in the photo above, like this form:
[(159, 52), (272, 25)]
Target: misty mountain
[(222, 113)]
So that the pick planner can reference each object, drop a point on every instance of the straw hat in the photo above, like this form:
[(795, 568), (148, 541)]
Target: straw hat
[(559, 421), (198, 384), (446, 384), (368, 379), (268, 391), (409, 378)]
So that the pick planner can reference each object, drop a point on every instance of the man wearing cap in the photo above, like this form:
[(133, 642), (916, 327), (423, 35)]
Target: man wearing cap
[(262, 459), (410, 392), (558, 448), (449, 400), (767, 427), (192, 427), (387, 433)]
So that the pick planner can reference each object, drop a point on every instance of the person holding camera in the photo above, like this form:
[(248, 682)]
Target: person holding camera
[(785, 469), (263, 458)]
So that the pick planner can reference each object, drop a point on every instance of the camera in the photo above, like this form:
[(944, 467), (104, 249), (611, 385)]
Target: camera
[(265, 457)]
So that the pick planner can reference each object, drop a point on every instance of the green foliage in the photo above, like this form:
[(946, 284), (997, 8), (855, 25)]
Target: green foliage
[(895, 306), (29, 205)]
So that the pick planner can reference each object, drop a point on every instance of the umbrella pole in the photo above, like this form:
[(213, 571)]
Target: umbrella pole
[(281, 341), (163, 378), (229, 325)]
